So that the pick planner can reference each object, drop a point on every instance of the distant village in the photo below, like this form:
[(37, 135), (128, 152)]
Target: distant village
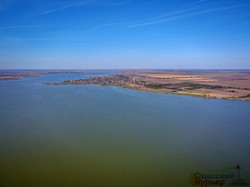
[(116, 80)]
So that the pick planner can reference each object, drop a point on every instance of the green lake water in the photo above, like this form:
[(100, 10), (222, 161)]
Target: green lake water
[(91, 135)]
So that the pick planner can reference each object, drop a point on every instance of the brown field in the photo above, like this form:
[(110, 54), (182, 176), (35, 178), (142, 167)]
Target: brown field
[(218, 84)]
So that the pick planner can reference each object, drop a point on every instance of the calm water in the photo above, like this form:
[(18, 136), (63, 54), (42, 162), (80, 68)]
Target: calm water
[(90, 135)]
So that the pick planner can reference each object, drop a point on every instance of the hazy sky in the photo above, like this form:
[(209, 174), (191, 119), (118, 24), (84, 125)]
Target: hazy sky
[(90, 34)]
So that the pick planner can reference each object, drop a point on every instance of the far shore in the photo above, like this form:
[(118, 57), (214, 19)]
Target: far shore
[(19, 74), (223, 84)]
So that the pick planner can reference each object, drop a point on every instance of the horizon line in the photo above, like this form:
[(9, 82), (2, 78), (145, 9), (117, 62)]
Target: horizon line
[(106, 69)]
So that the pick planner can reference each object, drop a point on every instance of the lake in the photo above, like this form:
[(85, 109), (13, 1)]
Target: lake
[(91, 135)]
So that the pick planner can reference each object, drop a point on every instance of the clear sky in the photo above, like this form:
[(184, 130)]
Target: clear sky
[(115, 34)]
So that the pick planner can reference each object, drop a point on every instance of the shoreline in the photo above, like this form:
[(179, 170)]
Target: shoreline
[(178, 84), (154, 91), (230, 85)]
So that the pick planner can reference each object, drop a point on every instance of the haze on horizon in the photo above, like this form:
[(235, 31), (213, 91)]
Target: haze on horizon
[(116, 34)]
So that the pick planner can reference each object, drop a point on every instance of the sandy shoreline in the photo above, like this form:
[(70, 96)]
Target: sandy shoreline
[(233, 85)]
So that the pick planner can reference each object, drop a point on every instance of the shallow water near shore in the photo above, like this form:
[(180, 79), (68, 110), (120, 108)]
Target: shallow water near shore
[(91, 135)]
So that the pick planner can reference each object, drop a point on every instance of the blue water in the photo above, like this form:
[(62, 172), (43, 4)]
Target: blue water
[(91, 135)]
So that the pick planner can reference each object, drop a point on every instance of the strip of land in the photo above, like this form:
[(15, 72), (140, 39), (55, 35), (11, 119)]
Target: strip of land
[(19, 74), (211, 84), (226, 84)]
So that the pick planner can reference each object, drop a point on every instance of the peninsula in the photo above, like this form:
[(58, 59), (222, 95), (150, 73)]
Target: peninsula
[(225, 84)]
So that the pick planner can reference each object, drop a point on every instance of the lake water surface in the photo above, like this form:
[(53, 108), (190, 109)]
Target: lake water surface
[(91, 135)]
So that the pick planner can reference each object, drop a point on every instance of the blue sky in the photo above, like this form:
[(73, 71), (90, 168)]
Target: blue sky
[(117, 34)]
